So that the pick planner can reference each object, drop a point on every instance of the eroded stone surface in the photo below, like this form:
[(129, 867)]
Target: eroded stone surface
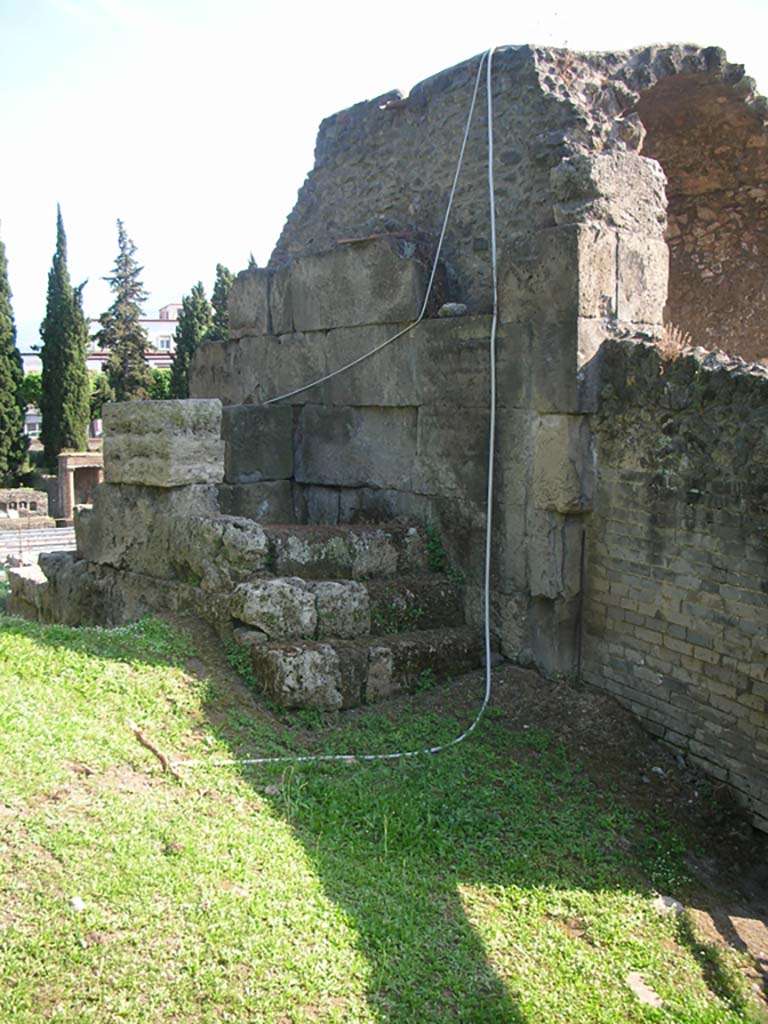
[(259, 443), (283, 609), (215, 551), (372, 281), (300, 676), (163, 443), (343, 608)]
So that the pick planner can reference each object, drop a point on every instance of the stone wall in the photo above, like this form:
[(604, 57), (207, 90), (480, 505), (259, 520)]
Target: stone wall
[(386, 165), (676, 601), (24, 501), (403, 435), (713, 147)]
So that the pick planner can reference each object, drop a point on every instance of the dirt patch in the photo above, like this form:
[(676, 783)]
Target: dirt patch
[(727, 858)]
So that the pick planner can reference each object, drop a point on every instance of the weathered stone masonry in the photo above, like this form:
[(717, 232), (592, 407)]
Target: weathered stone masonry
[(629, 518), (676, 602)]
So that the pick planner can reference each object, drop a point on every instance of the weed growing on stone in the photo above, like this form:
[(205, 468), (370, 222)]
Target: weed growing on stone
[(396, 618), (437, 556)]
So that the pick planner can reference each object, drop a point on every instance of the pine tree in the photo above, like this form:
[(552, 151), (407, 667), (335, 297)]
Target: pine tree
[(193, 325), (224, 281), (65, 391), (13, 441), (121, 330)]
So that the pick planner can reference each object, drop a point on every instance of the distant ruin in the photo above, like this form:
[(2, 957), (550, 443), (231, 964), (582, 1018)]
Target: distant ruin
[(630, 544)]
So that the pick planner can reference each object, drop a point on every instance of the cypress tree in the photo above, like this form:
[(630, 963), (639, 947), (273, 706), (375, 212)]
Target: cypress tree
[(121, 330), (193, 326), (224, 281), (65, 391), (13, 441)]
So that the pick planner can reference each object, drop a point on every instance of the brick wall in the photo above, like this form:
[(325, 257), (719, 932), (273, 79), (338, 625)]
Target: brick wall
[(676, 599)]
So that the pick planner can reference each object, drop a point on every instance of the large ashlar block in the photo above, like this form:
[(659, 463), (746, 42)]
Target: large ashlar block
[(368, 282), (452, 452), (163, 444), (259, 443), (248, 303), (554, 632), (622, 190), (129, 527), (554, 551), (643, 276), (281, 301), (559, 274), (356, 447), (562, 474), (565, 365), (270, 501)]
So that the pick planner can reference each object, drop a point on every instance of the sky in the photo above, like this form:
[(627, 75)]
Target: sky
[(194, 122)]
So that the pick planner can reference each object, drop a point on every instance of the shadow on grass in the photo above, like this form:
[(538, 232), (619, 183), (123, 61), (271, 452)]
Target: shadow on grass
[(420, 853), (407, 847)]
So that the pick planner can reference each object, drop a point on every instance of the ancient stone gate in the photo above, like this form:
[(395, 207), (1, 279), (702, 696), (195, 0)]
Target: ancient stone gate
[(629, 545)]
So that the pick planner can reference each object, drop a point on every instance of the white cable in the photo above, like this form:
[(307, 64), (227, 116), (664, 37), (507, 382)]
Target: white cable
[(438, 250), (438, 748)]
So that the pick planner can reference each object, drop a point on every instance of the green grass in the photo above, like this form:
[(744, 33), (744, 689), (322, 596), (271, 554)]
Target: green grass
[(483, 885)]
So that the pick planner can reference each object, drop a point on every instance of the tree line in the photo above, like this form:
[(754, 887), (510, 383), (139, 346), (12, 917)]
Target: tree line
[(68, 396)]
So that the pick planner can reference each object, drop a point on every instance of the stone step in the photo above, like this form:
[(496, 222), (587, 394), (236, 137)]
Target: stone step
[(347, 673), (407, 603), (346, 552), (291, 608)]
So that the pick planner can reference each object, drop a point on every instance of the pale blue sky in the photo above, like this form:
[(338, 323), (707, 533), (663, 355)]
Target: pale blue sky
[(195, 122)]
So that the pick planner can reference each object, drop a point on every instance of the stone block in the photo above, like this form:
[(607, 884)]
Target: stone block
[(270, 501), (163, 443), (554, 635), (357, 552), (355, 447), (565, 364), (513, 366), (643, 275), (439, 361), (343, 609), (452, 452), (259, 443), (621, 190), (375, 505), (296, 675), (559, 274), (218, 551), (129, 527), (248, 303), (368, 282), (316, 504), (281, 302), (562, 464), (282, 609), (29, 595), (554, 550)]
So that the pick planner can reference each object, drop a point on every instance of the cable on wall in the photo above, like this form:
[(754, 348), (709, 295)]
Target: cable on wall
[(487, 59)]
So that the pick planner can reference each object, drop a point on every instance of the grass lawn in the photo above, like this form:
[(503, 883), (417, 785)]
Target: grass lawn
[(491, 883)]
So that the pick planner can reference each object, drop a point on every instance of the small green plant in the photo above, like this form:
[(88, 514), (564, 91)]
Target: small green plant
[(425, 680), (437, 556), (238, 659), (396, 618)]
